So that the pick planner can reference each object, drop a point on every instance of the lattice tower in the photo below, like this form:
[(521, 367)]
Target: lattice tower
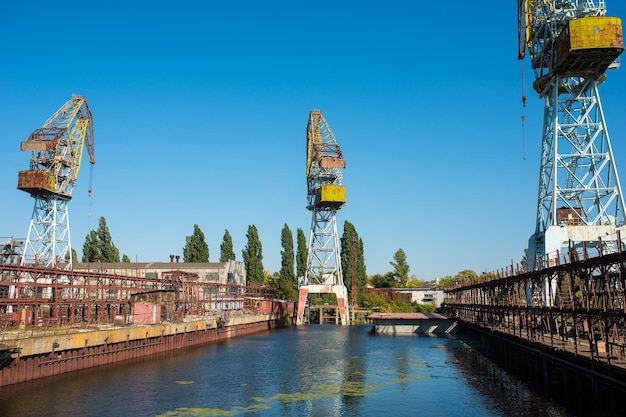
[(325, 195), (571, 44)]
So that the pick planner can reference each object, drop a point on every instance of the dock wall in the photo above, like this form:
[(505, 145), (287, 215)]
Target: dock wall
[(38, 355), (584, 386)]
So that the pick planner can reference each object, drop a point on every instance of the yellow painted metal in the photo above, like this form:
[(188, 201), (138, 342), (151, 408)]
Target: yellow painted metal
[(595, 32), (43, 343), (588, 46), (331, 195), (33, 180), (57, 147)]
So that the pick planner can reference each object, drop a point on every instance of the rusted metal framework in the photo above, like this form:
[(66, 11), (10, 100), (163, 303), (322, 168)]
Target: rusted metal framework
[(35, 296), (575, 305), (571, 45), (325, 195), (56, 152)]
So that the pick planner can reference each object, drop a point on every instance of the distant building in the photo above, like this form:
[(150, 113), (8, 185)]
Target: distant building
[(420, 295), (423, 295), (231, 272)]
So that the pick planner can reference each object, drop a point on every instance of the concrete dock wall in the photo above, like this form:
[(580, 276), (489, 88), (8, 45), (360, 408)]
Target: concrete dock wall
[(48, 353)]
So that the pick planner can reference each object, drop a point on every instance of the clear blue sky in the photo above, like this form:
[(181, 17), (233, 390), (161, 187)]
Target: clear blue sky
[(200, 112)]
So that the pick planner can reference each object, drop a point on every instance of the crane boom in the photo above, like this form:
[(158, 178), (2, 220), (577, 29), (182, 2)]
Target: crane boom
[(324, 164), (57, 150)]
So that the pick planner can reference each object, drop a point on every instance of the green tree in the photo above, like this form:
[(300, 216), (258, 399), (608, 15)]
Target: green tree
[(466, 277), (90, 247), (352, 261), (98, 246), (301, 254), (401, 268), (415, 282), (227, 253), (382, 281), (196, 249), (125, 259), (447, 282), (253, 256), (286, 276)]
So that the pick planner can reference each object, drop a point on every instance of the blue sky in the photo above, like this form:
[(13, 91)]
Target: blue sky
[(200, 112)]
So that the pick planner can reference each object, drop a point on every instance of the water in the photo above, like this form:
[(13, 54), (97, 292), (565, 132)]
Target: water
[(317, 370)]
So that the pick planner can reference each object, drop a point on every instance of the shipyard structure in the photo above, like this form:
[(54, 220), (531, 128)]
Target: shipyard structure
[(57, 320)]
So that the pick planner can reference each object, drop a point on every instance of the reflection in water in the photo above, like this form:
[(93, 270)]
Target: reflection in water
[(498, 388), (317, 370)]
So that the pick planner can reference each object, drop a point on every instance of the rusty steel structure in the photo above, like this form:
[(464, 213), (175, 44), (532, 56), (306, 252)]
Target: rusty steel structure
[(561, 328), (325, 195), (56, 151), (584, 312), (33, 296), (571, 46)]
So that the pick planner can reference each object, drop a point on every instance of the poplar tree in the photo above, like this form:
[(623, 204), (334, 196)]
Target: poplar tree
[(196, 249), (253, 256), (286, 276), (353, 261), (98, 246), (227, 253), (90, 247), (107, 249), (301, 254)]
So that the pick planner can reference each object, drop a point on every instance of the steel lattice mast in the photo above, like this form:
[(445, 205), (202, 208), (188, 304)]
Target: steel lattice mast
[(325, 195), (571, 44), (56, 155)]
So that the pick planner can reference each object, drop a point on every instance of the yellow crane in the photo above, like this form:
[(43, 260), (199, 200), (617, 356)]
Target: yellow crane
[(571, 44), (56, 151), (325, 195)]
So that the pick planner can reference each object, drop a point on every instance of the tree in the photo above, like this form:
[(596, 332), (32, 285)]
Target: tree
[(196, 249), (98, 246), (301, 254), (125, 259), (287, 283), (401, 268), (227, 253), (382, 281), (415, 282), (466, 277), (253, 256), (90, 247), (352, 261), (447, 282)]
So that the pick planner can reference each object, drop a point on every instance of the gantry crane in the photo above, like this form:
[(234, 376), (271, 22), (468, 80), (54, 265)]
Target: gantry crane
[(325, 195), (56, 154), (571, 44)]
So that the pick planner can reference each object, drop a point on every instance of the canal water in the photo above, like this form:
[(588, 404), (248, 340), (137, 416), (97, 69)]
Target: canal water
[(316, 370)]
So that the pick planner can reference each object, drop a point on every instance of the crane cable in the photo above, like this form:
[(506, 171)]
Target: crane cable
[(90, 194), (523, 107)]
